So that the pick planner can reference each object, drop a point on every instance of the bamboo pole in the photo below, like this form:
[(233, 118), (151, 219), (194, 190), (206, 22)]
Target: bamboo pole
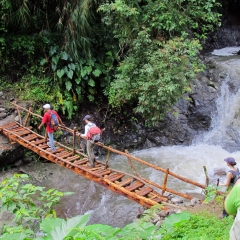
[(45, 136), (34, 114), (131, 164), (27, 117), (206, 174), (165, 181), (74, 139), (19, 115), (153, 166), (107, 159)]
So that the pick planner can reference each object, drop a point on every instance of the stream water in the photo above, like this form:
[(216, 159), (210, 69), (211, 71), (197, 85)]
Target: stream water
[(208, 149)]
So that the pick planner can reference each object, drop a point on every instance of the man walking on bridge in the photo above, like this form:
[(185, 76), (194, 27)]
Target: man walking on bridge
[(47, 121), (90, 139)]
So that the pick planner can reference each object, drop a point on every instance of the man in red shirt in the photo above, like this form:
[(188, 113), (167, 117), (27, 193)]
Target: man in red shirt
[(46, 120)]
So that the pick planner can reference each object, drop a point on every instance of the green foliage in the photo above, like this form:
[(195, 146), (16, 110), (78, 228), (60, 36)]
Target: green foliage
[(202, 226), (210, 193), (83, 50), (29, 204), (156, 78), (158, 59), (34, 218)]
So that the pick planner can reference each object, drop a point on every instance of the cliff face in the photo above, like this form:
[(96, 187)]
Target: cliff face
[(228, 34)]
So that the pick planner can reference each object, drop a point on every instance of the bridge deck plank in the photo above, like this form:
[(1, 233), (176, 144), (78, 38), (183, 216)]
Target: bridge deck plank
[(134, 186), (116, 176), (144, 191), (125, 182), (76, 157)]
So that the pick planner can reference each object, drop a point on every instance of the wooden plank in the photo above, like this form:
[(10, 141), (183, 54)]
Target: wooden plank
[(125, 182), (134, 186), (115, 176), (144, 191), (59, 150), (103, 172), (82, 161), (43, 146), (24, 132), (9, 125), (67, 154), (154, 195), (159, 200), (76, 157), (30, 137), (39, 141), (15, 128)]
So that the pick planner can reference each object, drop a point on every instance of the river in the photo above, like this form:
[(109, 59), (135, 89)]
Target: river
[(208, 149)]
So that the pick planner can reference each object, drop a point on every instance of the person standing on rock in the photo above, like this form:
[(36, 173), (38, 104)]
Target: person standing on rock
[(232, 207), (233, 173), (47, 121), (91, 138)]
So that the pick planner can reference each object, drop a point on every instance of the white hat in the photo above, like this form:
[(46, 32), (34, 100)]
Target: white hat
[(47, 106)]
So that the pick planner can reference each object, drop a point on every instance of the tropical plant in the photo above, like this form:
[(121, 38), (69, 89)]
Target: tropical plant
[(28, 203), (204, 226)]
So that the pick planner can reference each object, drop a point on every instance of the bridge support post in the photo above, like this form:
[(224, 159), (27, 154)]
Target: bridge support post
[(165, 181), (74, 139), (28, 115)]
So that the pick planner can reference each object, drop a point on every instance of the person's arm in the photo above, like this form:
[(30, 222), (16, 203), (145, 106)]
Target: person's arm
[(39, 127), (60, 121), (228, 180), (44, 121), (86, 130)]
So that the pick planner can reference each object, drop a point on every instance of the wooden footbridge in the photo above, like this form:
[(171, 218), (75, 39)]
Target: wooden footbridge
[(132, 186)]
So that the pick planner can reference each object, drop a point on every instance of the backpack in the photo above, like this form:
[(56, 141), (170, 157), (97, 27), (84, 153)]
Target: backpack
[(236, 176), (94, 133), (54, 123)]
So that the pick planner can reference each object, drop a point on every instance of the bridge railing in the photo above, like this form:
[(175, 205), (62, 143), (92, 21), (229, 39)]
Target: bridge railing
[(129, 157)]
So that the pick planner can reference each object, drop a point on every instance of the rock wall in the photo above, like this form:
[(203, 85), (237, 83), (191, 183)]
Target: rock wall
[(9, 152)]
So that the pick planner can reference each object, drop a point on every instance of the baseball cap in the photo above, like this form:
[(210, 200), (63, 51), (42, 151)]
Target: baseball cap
[(87, 117), (47, 106), (230, 160)]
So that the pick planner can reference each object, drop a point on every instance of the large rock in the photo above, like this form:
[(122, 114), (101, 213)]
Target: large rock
[(9, 152)]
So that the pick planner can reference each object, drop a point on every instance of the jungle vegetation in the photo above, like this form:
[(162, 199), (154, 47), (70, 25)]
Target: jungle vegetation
[(139, 54), (34, 217)]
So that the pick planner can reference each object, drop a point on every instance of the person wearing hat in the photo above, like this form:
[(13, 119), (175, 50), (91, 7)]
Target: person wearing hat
[(46, 120), (90, 143), (232, 173)]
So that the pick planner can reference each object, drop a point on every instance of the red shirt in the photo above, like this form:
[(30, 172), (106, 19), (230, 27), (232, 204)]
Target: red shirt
[(46, 120)]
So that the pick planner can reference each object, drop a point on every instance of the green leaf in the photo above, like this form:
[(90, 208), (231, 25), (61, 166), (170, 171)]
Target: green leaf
[(14, 236), (72, 66), (78, 80), (70, 74), (91, 83), (49, 224), (55, 60), (52, 51), (43, 61), (68, 228), (68, 85), (64, 56), (60, 73), (83, 72), (104, 230), (175, 218), (97, 73)]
